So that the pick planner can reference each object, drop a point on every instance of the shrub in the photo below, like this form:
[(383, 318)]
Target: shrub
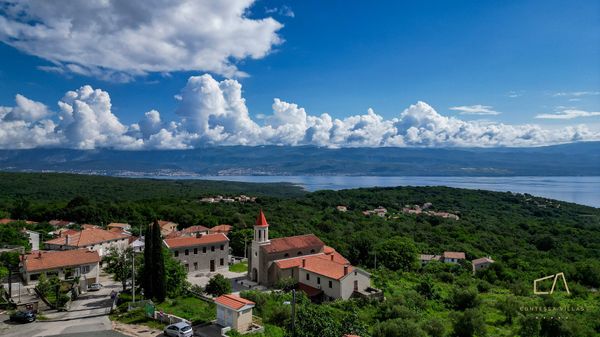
[(398, 328), (462, 299), (218, 285), (468, 324)]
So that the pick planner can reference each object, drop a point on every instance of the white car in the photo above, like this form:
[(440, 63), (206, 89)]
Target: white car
[(180, 329)]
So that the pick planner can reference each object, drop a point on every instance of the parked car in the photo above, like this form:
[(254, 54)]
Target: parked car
[(23, 316), (180, 329), (94, 287)]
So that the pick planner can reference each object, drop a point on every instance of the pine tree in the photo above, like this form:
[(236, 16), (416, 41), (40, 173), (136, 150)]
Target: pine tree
[(158, 265), (147, 274)]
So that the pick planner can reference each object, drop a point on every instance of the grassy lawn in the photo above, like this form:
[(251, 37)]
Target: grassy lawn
[(241, 267), (190, 308), (137, 316)]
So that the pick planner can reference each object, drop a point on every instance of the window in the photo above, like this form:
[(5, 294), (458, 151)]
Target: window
[(222, 247), (299, 253), (34, 277), (318, 280), (187, 252), (221, 262), (212, 248), (187, 267), (195, 250), (307, 277), (203, 249), (330, 284), (195, 265), (255, 253), (286, 255), (312, 251), (176, 253), (85, 269)]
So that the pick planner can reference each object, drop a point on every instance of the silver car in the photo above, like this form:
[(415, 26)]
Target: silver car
[(180, 329)]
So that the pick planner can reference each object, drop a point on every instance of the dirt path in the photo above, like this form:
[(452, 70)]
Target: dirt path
[(134, 330)]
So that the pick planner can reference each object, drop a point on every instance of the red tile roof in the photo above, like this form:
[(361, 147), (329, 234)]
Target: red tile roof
[(163, 223), (261, 221), (195, 229), (310, 291), (327, 268), (454, 255), (59, 223), (118, 225), (295, 262), (293, 242), (233, 301), (195, 241), (87, 237), (225, 229), (5, 221), (44, 260)]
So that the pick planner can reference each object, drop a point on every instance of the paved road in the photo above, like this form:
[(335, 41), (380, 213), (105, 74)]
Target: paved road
[(88, 313)]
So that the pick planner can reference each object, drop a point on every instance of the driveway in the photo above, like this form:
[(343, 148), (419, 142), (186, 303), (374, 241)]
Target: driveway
[(89, 313)]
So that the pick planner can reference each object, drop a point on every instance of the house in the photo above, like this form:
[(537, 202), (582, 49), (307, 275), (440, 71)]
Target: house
[(426, 258), (66, 265), (95, 239), (63, 231), (235, 312), (125, 227), (166, 227), (34, 239), (379, 211), (225, 229), (319, 270), (209, 252), (341, 208), (194, 231), (453, 257), (138, 245), (60, 223), (481, 263), (88, 226)]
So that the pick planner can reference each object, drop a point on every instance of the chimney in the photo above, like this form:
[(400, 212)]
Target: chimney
[(303, 263), (346, 270)]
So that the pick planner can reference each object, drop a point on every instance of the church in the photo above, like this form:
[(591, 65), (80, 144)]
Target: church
[(319, 270)]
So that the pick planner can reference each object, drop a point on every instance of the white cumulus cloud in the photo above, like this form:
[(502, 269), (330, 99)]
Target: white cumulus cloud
[(568, 114), (476, 109), (116, 40), (213, 112)]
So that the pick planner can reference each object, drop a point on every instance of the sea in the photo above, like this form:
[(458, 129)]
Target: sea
[(579, 190)]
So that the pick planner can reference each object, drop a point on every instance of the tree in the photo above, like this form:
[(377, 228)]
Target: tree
[(218, 285), (509, 307), (398, 328), (529, 326), (286, 283), (469, 323), (153, 274), (462, 299), (397, 253), (314, 320), (119, 264), (176, 277), (426, 288), (434, 327)]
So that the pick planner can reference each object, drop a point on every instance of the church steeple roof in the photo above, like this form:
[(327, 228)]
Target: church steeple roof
[(261, 221)]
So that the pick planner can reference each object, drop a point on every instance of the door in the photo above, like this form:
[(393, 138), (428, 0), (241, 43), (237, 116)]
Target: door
[(355, 285), (212, 265)]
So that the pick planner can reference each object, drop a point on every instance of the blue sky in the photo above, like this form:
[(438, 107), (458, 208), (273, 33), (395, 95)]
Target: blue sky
[(520, 59)]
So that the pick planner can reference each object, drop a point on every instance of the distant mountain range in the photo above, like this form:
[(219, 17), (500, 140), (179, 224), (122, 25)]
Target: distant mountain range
[(576, 159)]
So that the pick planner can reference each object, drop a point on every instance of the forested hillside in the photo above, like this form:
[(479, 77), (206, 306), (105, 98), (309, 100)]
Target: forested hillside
[(528, 237)]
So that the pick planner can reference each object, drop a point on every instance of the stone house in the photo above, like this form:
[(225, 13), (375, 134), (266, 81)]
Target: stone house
[(201, 253)]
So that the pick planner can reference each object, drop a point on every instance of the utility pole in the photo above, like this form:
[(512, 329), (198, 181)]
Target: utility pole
[(293, 312), (9, 282), (133, 275)]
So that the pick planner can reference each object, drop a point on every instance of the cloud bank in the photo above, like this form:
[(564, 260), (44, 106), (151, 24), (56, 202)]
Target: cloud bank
[(116, 40), (212, 112)]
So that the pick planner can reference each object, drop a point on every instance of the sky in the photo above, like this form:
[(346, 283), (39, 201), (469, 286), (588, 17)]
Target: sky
[(183, 74)]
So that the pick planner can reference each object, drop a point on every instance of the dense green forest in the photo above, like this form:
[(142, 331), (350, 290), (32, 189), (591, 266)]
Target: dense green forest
[(529, 237)]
